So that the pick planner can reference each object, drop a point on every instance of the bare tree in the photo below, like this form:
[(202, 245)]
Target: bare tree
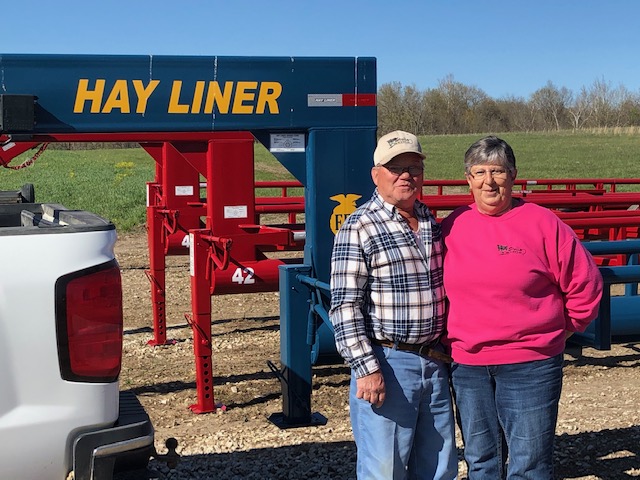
[(459, 102), (415, 112), (390, 107), (630, 110), (621, 97), (518, 111), (436, 107), (551, 104), (487, 117), (401, 108), (601, 101), (579, 109)]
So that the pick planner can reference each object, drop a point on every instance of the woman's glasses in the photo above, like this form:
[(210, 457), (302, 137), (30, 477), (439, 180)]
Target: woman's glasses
[(499, 173)]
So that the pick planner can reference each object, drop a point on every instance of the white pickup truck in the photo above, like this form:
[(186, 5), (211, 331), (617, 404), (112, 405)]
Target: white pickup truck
[(61, 412)]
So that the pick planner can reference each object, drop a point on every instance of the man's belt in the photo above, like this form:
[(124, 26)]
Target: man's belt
[(423, 349)]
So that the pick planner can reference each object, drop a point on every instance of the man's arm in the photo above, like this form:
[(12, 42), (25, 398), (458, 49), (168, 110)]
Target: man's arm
[(349, 278)]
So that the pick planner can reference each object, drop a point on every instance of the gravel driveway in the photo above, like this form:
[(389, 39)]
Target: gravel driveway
[(598, 434)]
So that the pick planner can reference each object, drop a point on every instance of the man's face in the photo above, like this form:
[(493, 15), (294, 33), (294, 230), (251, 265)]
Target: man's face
[(396, 187)]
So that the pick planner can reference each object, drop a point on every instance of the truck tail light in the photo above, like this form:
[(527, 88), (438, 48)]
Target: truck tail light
[(89, 324)]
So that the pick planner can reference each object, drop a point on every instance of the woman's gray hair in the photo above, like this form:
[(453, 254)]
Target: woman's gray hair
[(490, 150)]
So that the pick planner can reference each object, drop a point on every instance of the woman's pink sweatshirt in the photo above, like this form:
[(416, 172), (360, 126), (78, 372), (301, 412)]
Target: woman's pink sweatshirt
[(515, 284)]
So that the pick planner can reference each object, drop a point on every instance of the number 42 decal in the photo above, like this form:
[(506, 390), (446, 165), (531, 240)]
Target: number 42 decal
[(243, 276)]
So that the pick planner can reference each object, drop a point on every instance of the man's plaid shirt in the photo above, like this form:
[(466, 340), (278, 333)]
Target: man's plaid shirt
[(382, 284)]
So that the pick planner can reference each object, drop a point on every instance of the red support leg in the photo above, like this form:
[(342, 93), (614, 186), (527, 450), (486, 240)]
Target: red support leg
[(156, 275), (201, 322)]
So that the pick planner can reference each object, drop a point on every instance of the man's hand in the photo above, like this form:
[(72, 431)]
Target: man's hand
[(371, 388)]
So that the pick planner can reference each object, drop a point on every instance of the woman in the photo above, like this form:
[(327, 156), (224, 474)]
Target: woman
[(519, 282)]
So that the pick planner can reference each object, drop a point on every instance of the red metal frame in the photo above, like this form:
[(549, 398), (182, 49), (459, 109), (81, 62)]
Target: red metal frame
[(550, 184), (220, 231), (226, 244), (572, 200)]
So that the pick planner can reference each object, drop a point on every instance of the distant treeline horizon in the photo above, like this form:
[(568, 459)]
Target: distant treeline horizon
[(455, 108)]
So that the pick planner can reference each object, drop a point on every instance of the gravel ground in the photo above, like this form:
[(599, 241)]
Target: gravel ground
[(598, 433)]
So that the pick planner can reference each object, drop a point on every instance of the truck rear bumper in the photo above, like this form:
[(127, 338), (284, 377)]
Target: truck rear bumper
[(127, 445)]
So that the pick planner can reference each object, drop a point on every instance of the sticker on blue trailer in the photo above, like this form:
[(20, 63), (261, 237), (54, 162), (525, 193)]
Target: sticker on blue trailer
[(107, 93)]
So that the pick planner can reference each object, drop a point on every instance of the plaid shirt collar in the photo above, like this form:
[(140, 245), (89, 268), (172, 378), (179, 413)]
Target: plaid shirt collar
[(420, 209)]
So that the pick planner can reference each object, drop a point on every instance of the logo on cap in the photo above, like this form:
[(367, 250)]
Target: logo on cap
[(395, 141)]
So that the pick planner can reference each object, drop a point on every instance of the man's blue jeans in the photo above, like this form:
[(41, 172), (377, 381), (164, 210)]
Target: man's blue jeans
[(411, 436), (509, 413)]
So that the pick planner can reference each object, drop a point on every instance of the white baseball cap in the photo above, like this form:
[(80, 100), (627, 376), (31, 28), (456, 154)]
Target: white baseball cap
[(393, 144)]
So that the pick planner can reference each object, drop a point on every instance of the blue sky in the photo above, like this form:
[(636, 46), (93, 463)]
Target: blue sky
[(504, 47)]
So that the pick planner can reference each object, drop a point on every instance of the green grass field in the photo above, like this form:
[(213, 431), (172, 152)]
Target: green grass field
[(111, 182), (544, 155)]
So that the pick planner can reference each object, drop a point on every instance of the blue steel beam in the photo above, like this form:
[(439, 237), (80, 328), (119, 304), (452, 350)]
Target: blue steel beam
[(599, 334), (147, 93)]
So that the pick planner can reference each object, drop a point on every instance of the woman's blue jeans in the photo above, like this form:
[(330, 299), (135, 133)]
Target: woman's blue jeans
[(508, 416), (412, 435)]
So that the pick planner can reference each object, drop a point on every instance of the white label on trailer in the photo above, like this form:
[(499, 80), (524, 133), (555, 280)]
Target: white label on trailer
[(7, 146), (184, 190), (235, 211), (192, 270), (324, 100), (148, 195), (286, 142)]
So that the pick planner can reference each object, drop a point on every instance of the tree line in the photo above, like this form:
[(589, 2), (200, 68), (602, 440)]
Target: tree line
[(455, 108)]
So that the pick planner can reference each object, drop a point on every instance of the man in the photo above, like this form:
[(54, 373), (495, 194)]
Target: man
[(387, 308)]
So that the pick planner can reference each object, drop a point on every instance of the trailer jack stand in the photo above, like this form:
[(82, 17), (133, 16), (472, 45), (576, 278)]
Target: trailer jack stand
[(300, 413)]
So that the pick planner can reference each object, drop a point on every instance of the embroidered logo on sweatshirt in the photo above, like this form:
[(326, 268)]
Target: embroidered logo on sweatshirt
[(506, 250)]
